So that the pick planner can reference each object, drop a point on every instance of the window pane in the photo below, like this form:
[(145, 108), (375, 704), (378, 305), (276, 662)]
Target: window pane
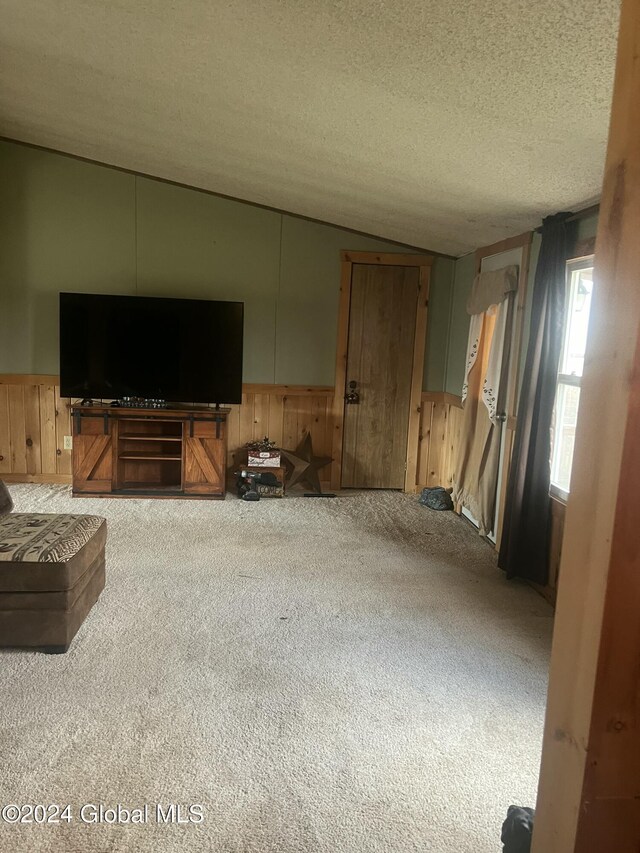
[(577, 321), (564, 434)]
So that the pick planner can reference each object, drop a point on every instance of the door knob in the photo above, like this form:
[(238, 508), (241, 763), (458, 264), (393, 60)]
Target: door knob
[(501, 416), (352, 397)]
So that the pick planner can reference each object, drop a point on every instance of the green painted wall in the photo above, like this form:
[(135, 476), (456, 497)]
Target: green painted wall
[(64, 225), (588, 227), (459, 323), (440, 293), (70, 225)]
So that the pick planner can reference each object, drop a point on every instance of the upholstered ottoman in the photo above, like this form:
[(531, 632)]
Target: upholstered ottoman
[(51, 575)]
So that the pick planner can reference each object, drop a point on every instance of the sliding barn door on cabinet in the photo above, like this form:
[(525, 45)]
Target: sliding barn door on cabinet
[(92, 453), (205, 458)]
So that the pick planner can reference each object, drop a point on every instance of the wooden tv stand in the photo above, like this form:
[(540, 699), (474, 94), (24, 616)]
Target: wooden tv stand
[(178, 452)]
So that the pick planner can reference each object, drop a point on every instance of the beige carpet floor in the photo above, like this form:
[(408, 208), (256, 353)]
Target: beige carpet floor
[(343, 676)]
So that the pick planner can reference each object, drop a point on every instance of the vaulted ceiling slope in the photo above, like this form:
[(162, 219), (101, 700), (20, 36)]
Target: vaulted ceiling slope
[(444, 125)]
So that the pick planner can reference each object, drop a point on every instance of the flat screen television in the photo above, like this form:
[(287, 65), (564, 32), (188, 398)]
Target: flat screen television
[(179, 350)]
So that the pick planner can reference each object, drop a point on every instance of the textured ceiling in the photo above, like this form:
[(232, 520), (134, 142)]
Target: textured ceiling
[(446, 125)]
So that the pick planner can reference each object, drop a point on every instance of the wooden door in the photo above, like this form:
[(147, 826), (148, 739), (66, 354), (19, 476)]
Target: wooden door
[(382, 326), (204, 458), (92, 454)]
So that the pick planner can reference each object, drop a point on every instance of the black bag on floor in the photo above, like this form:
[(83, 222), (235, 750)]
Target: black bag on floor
[(436, 498), (517, 830)]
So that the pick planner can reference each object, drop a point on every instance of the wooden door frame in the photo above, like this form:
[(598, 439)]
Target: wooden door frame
[(423, 263), (520, 241), (589, 791)]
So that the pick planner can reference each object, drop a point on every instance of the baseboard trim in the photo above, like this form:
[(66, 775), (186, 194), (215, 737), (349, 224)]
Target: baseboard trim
[(289, 390), (247, 387), (442, 397), (59, 479), (29, 379)]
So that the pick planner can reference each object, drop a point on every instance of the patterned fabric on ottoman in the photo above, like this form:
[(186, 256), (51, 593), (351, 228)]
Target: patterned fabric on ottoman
[(6, 504), (51, 574)]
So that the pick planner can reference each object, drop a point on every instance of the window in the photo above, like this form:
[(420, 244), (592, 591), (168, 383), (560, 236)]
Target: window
[(565, 413)]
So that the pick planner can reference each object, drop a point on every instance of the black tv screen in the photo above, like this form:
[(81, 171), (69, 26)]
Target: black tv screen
[(179, 350)]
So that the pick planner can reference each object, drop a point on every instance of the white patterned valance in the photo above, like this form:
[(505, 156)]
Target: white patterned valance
[(475, 330), (496, 362), (492, 288)]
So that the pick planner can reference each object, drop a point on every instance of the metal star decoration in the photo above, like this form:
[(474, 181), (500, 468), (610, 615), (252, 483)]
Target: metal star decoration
[(305, 465)]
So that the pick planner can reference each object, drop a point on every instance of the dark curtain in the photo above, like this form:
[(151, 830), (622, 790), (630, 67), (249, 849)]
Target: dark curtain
[(524, 548)]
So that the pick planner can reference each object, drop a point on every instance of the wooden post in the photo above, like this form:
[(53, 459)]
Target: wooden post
[(589, 795)]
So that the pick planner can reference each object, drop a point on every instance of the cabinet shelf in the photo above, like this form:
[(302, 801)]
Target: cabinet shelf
[(139, 436), (146, 488), (151, 457)]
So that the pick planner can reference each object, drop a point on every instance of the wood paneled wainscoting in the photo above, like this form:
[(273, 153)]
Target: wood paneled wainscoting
[(440, 424), (34, 420)]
